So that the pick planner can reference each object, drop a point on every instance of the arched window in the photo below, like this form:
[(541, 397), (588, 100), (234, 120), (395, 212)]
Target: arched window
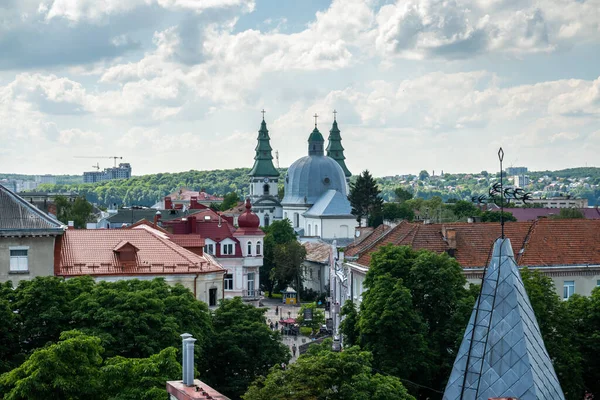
[(308, 233), (316, 230), (266, 189), (249, 248), (267, 221), (258, 248), (296, 220)]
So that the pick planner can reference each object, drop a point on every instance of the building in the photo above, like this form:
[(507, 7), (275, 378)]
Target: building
[(120, 254), (531, 214), (520, 181), (568, 251), (27, 237), (264, 181), (234, 212), (46, 179), (124, 217), (238, 250), (123, 171), (316, 191), (557, 202), (315, 268), (516, 171), (186, 198)]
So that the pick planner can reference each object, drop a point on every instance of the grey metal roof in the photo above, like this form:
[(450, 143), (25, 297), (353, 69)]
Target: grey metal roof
[(18, 217), (310, 176), (503, 345), (331, 204)]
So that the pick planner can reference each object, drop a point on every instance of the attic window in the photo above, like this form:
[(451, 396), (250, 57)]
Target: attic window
[(125, 251), (326, 181)]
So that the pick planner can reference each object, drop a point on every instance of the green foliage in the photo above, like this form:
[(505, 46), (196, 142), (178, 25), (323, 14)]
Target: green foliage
[(496, 216), (278, 233), (306, 331), (423, 175), (78, 211), (349, 325), (402, 194), (9, 336), (413, 314), (464, 209), (73, 369), (318, 317), (558, 331), (568, 213), (396, 211), (242, 348), (230, 200), (288, 259), (365, 199), (318, 375)]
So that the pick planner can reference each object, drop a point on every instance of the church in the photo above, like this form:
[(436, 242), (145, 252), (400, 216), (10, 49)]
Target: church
[(315, 189)]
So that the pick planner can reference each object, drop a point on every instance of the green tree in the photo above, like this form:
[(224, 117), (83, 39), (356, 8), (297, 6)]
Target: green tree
[(558, 330), (278, 233), (78, 211), (365, 199), (242, 348), (395, 211), (569, 213), (318, 316), (9, 336), (69, 369), (230, 200), (402, 195), (321, 374), (349, 325), (464, 209), (288, 264), (423, 175), (495, 216)]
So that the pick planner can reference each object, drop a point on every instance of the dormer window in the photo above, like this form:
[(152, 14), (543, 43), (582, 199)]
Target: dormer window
[(125, 251), (227, 249)]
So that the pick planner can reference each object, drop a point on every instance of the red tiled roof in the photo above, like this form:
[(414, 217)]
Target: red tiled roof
[(367, 237), (147, 223), (184, 194), (538, 243), (192, 240), (92, 252)]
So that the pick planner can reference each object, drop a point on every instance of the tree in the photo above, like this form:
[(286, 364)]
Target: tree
[(318, 375), (242, 348), (318, 316), (365, 198), (69, 369), (9, 336), (423, 175), (464, 209), (349, 325), (278, 233), (79, 211), (417, 298), (288, 264), (558, 330), (495, 216), (230, 200), (569, 213), (395, 211), (402, 195)]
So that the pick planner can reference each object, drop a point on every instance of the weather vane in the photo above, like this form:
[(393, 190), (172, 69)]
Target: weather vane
[(497, 193)]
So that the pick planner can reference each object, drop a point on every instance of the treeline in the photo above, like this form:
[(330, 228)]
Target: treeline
[(415, 310), (77, 339)]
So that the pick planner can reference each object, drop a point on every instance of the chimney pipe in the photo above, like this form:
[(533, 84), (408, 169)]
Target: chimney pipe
[(188, 365), (184, 353)]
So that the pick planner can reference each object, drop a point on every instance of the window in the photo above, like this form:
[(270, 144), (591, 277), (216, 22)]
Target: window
[(598, 283), (228, 249), (308, 230), (296, 220), (316, 230), (310, 272), (228, 282), (18, 260), (267, 221), (209, 248), (319, 274), (249, 249), (266, 189), (258, 249), (568, 289), (251, 284)]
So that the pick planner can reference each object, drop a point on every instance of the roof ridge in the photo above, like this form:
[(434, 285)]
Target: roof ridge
[(385, 233), (532, 227)]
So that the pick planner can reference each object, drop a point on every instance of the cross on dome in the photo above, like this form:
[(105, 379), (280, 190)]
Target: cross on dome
[(334, 115), (263, 113), (316, 116)]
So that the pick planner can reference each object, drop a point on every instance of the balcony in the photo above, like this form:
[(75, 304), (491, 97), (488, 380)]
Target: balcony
[(251, 294)]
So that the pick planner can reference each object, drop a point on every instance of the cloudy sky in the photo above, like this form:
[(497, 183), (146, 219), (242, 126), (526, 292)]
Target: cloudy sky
[(174, 85)]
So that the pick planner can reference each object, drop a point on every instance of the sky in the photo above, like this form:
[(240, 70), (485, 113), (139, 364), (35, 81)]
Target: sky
[(178, 85)]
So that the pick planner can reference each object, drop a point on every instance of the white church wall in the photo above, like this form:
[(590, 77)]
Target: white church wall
[(342, 228)]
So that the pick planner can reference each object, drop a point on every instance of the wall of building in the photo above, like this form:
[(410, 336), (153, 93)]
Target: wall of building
[(40, 257), (338, 228), (315, 276)]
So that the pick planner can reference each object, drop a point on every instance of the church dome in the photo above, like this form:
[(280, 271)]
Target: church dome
[(248, 219), (311, 176)]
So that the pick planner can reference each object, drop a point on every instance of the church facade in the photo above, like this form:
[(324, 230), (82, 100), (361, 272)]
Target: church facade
[(315, 188)]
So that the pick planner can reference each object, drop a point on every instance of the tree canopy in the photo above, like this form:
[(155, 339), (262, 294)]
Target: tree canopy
[(78, 211), (322, 374)]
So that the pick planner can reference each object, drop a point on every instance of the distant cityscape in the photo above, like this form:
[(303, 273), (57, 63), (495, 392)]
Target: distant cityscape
[(123, 171)]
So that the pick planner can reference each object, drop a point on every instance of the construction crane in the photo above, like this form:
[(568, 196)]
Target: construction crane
[(97, 166), (113, 157)]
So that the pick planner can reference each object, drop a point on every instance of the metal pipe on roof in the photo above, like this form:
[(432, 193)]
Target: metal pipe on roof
[(183, 354), (189, 362)]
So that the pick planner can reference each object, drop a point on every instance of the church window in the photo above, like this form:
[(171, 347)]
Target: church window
[(296, 220), (308, 230), (267, 221), (316, 230), (249, 248), (258, 248), (266, 189)]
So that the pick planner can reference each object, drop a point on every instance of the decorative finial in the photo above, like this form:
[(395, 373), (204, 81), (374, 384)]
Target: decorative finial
[(263, 113), (334, 115), (316, 116)]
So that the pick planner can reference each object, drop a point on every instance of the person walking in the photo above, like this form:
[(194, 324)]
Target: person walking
[(276, 325), (294, 350), (276, 310), (271, 326)]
